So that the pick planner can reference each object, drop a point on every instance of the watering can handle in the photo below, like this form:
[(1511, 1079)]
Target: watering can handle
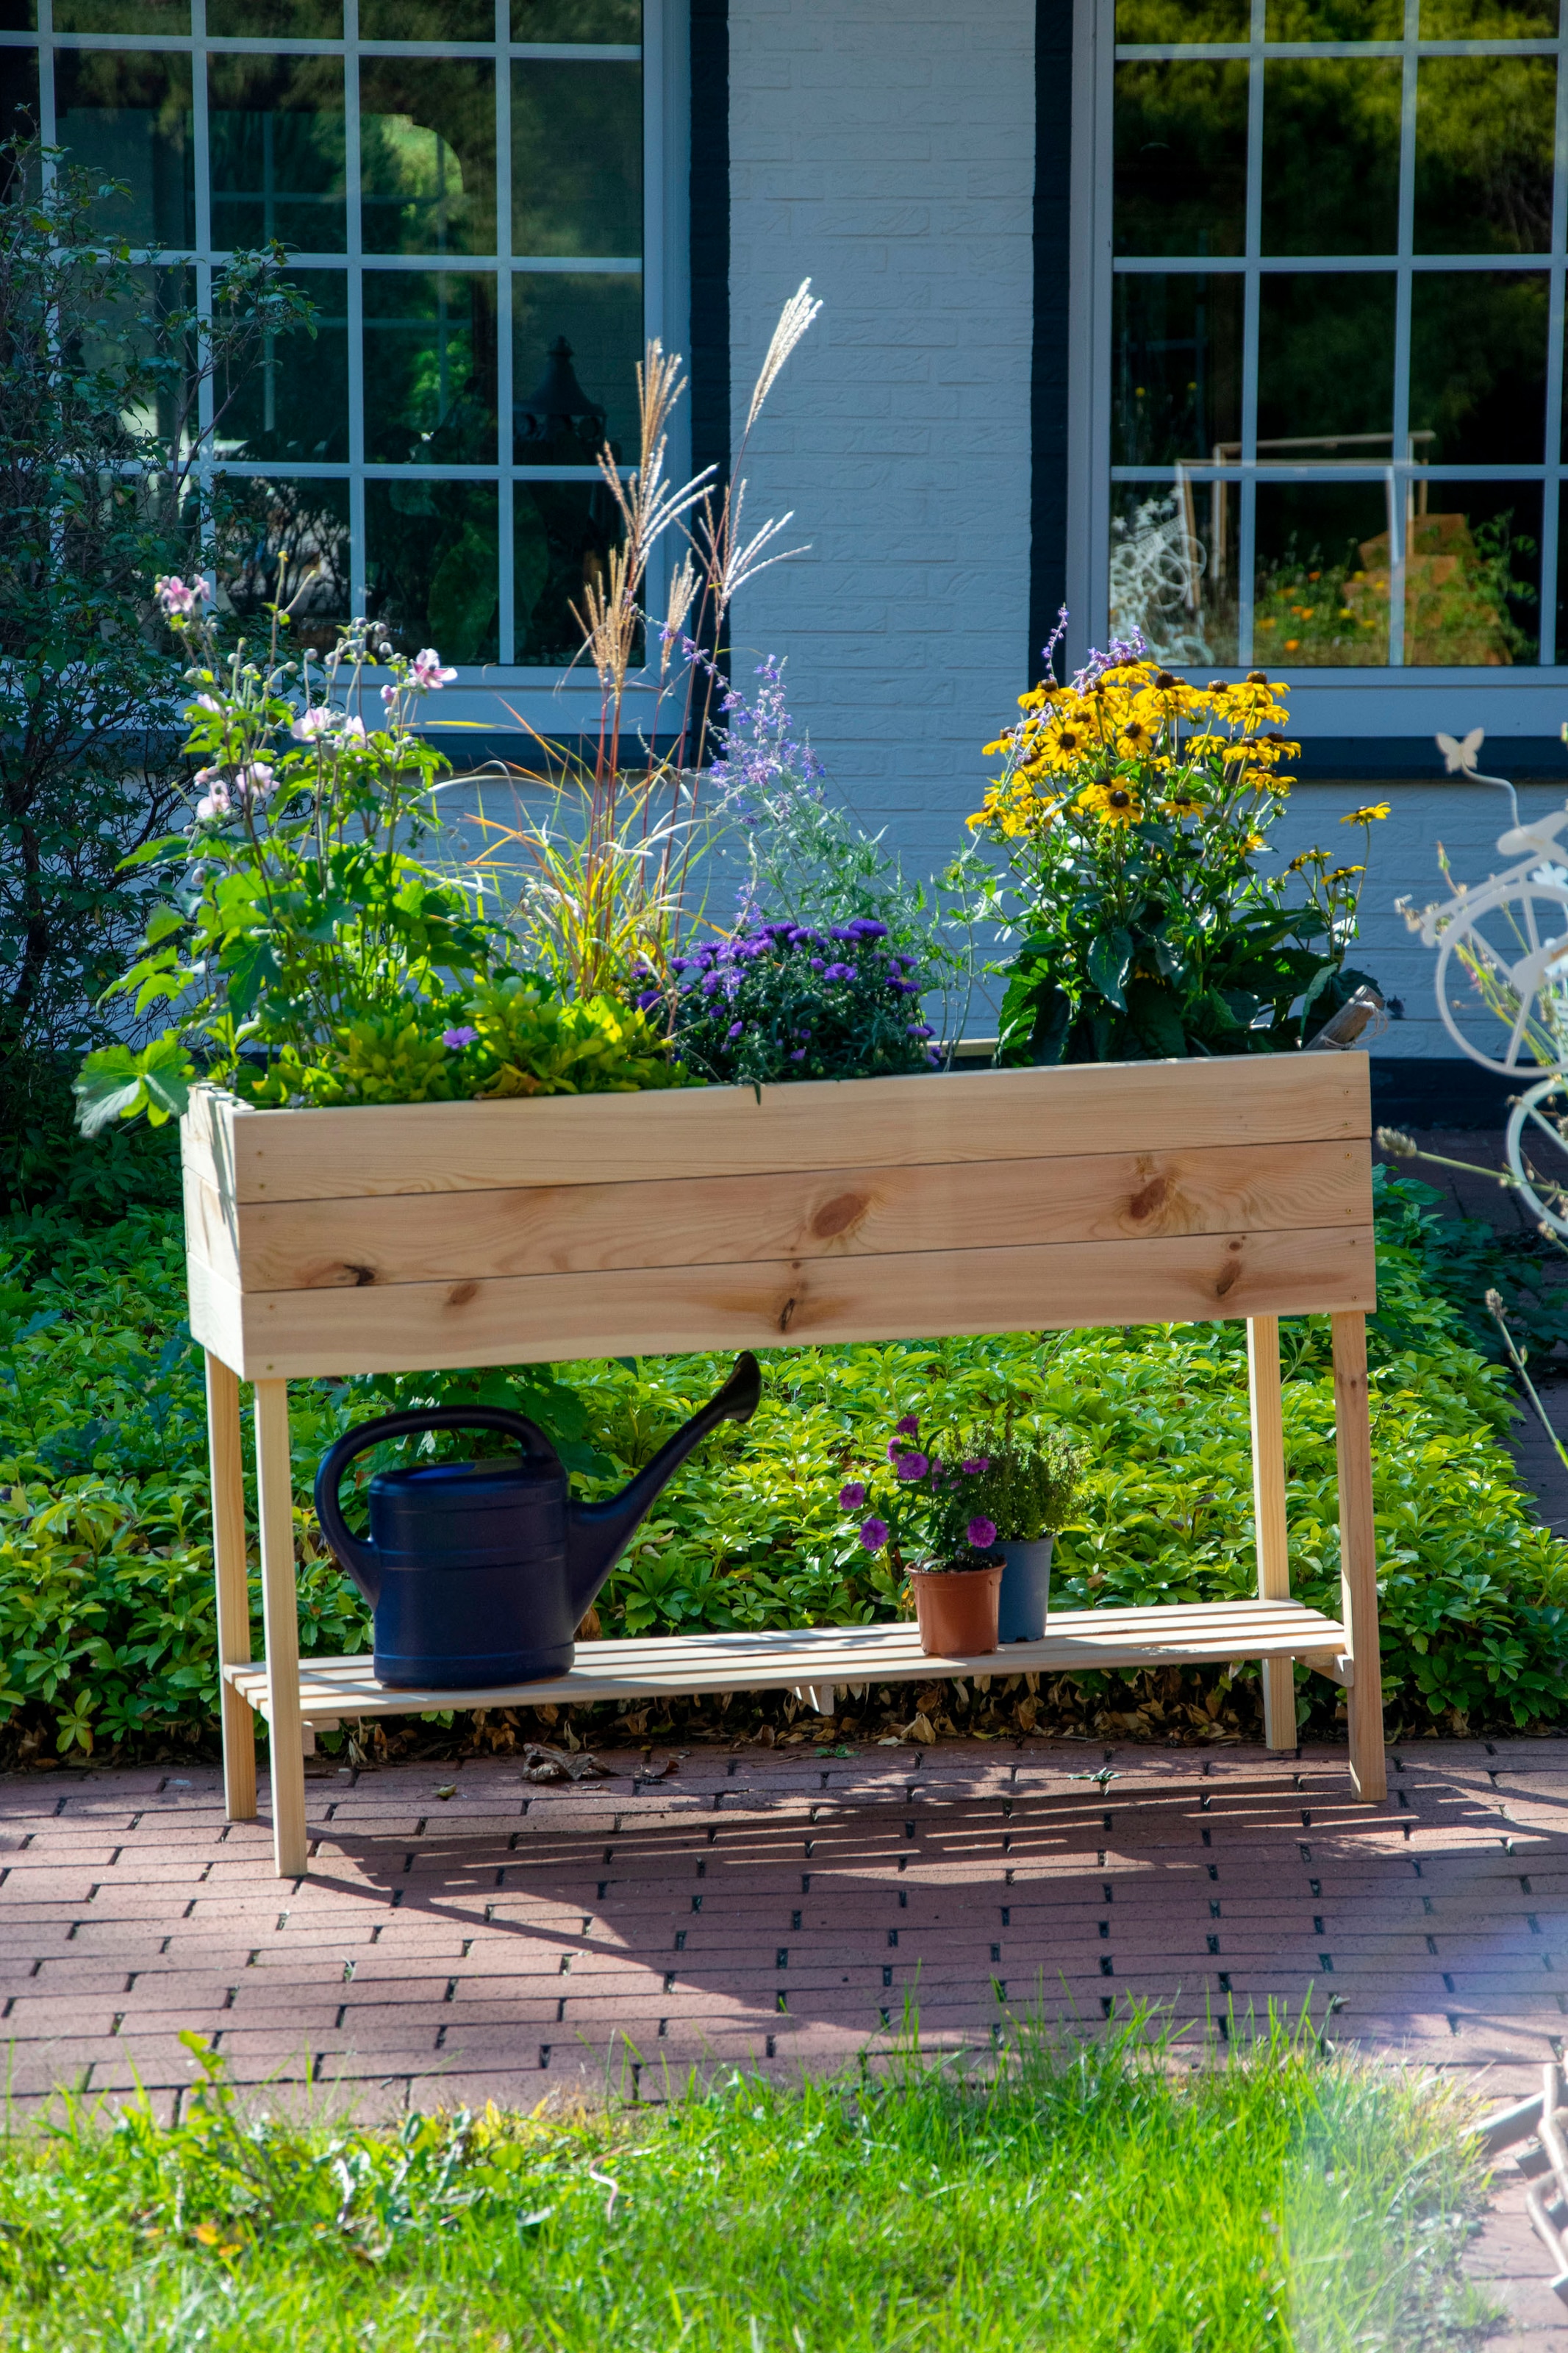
[(356, 1555)]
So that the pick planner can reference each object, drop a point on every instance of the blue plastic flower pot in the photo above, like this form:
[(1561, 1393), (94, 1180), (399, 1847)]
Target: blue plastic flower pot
[(1026, 1590)]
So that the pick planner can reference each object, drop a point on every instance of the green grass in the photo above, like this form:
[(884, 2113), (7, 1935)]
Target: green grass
[(1083, 2195)]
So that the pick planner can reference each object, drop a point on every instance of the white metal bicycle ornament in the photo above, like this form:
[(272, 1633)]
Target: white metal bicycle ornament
[(1503, 948)]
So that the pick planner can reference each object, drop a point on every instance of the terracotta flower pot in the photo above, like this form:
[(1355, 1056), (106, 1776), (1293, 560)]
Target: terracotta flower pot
[(956, 1608)]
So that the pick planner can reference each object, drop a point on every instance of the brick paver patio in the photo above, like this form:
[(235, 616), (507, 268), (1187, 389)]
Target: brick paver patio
[(783, 1907)]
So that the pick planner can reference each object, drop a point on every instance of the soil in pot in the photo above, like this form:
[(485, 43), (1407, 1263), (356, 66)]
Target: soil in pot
[(956, 1608)]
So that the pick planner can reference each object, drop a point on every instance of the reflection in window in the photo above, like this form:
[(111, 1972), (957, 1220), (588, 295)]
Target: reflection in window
[(430, 367), (293, 403), (287, 542), (426, 156), (275, 127), (1281, 420), (129, 115), (327, 447), (577, 158), (432, 564)]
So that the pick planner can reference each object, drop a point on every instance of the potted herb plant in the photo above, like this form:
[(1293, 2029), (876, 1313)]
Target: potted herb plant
[(926, 1516), (1027, 1482)]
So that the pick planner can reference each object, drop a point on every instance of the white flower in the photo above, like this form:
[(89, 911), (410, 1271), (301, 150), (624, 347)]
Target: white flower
[(215, 801), (426, 671), (177, 596), (389, 697), (310, 724)]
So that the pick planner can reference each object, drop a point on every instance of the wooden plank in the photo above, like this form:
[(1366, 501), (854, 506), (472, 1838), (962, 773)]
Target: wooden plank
[(423, 1327), (212, 1227), (1268, 1515), (218, 1314), (1358, 1556), (301, 1155), (1086, 1640), (830, 1213), (281, 1614), (232, 1580)]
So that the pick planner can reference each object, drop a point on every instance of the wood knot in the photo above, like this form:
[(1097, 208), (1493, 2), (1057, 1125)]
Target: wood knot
[(836, 1216), (1153, 1197), (787, 1313), (359, 1275), (460, 1296), (1231, 1275)]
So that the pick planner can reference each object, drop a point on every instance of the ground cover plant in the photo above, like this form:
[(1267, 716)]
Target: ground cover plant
[(1093, 2196), (107, 1637)]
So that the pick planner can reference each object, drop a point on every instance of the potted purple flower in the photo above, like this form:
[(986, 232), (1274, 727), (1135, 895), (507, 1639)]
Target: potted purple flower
[(924, 1512)]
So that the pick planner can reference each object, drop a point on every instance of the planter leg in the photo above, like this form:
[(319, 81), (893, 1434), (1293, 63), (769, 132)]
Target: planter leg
[(1268, 1516), (1358, 1555), (280, 1610), (233, 1586)]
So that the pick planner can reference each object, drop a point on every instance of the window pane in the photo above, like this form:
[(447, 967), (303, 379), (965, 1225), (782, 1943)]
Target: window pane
[(1488, 20), (1330, 138), (1173, 568), (600, 319), (121, 339), (122, 15), (1325, 359), (1472, 575), (430, 367), (288, 543), (278, 159), (128, 116), (1483, 155), (577, 158), (18, 16), (1334, 20), (431, 560), (1316, 598), (1180, 158), (1170, 23), (562, 536), (18, 93), (426, 20), (1478, 366), (293, 399), (584, 20), (1175, 367), (300, 20), (427, 155)]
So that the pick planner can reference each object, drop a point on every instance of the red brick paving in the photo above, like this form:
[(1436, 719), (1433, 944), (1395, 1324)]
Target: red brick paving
[(785, 1907)]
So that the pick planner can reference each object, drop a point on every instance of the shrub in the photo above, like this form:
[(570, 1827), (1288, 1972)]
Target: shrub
[(106, 1610)]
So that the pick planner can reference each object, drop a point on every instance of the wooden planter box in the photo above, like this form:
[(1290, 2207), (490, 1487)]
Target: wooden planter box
[(417, 1237)]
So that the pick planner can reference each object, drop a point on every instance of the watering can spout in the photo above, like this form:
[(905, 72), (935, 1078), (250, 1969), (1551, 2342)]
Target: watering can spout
[(597, 1533)]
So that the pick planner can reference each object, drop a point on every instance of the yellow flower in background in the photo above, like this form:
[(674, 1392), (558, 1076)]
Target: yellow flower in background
[(1112, 804), (1138, 736), (1183, 802), (1370, 815), (1344, 873)]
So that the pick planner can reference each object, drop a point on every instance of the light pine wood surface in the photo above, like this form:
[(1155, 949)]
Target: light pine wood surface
[(1269, 1515), (233, 1581), (1084, 1109), (1358, 1555)]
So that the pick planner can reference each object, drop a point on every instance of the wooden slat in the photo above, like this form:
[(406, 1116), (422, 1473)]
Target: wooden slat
[(294, 1156), (1085, 1639), (1268, 1515), (419, 1327), (833, 1213), (1358, 1555), (233, 1583), (280, 1677)]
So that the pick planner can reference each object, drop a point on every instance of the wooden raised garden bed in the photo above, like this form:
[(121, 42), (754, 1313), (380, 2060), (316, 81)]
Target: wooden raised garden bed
[(324, 1243)]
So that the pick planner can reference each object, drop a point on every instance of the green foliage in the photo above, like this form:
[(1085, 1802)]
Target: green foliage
[(1030, 1482), (1090, 2194), (106, 1611), (528, 1042), (1462, 1259)]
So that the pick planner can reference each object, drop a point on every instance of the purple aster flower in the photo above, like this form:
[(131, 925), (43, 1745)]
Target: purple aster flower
[(874, 1534), (840, 972), (735, 1030), (865, 927), (982, 1532), (917, 1028), (909, 1427), (852, 1495), (649, 999), (981, 1462), (713, 980), (818, 965), (462, 1036), (912, 1465)]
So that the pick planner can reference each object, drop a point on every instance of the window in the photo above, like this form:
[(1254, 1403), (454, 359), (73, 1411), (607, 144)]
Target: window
[(1330, 319), (461, 184)]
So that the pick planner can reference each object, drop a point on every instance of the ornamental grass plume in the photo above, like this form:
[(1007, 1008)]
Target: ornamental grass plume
[(1129, 812)]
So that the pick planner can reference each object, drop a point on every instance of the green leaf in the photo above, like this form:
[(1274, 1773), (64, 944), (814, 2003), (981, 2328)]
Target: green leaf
[(1110, 962)]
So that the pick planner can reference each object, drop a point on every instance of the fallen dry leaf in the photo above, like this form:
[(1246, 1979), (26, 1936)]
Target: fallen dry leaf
[(542, 1764)]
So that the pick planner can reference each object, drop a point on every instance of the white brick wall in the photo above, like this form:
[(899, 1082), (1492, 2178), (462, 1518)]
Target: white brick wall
[(885, 148)]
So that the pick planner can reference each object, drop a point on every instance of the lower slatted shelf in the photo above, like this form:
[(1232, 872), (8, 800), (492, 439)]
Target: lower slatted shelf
[(819, 1657)]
